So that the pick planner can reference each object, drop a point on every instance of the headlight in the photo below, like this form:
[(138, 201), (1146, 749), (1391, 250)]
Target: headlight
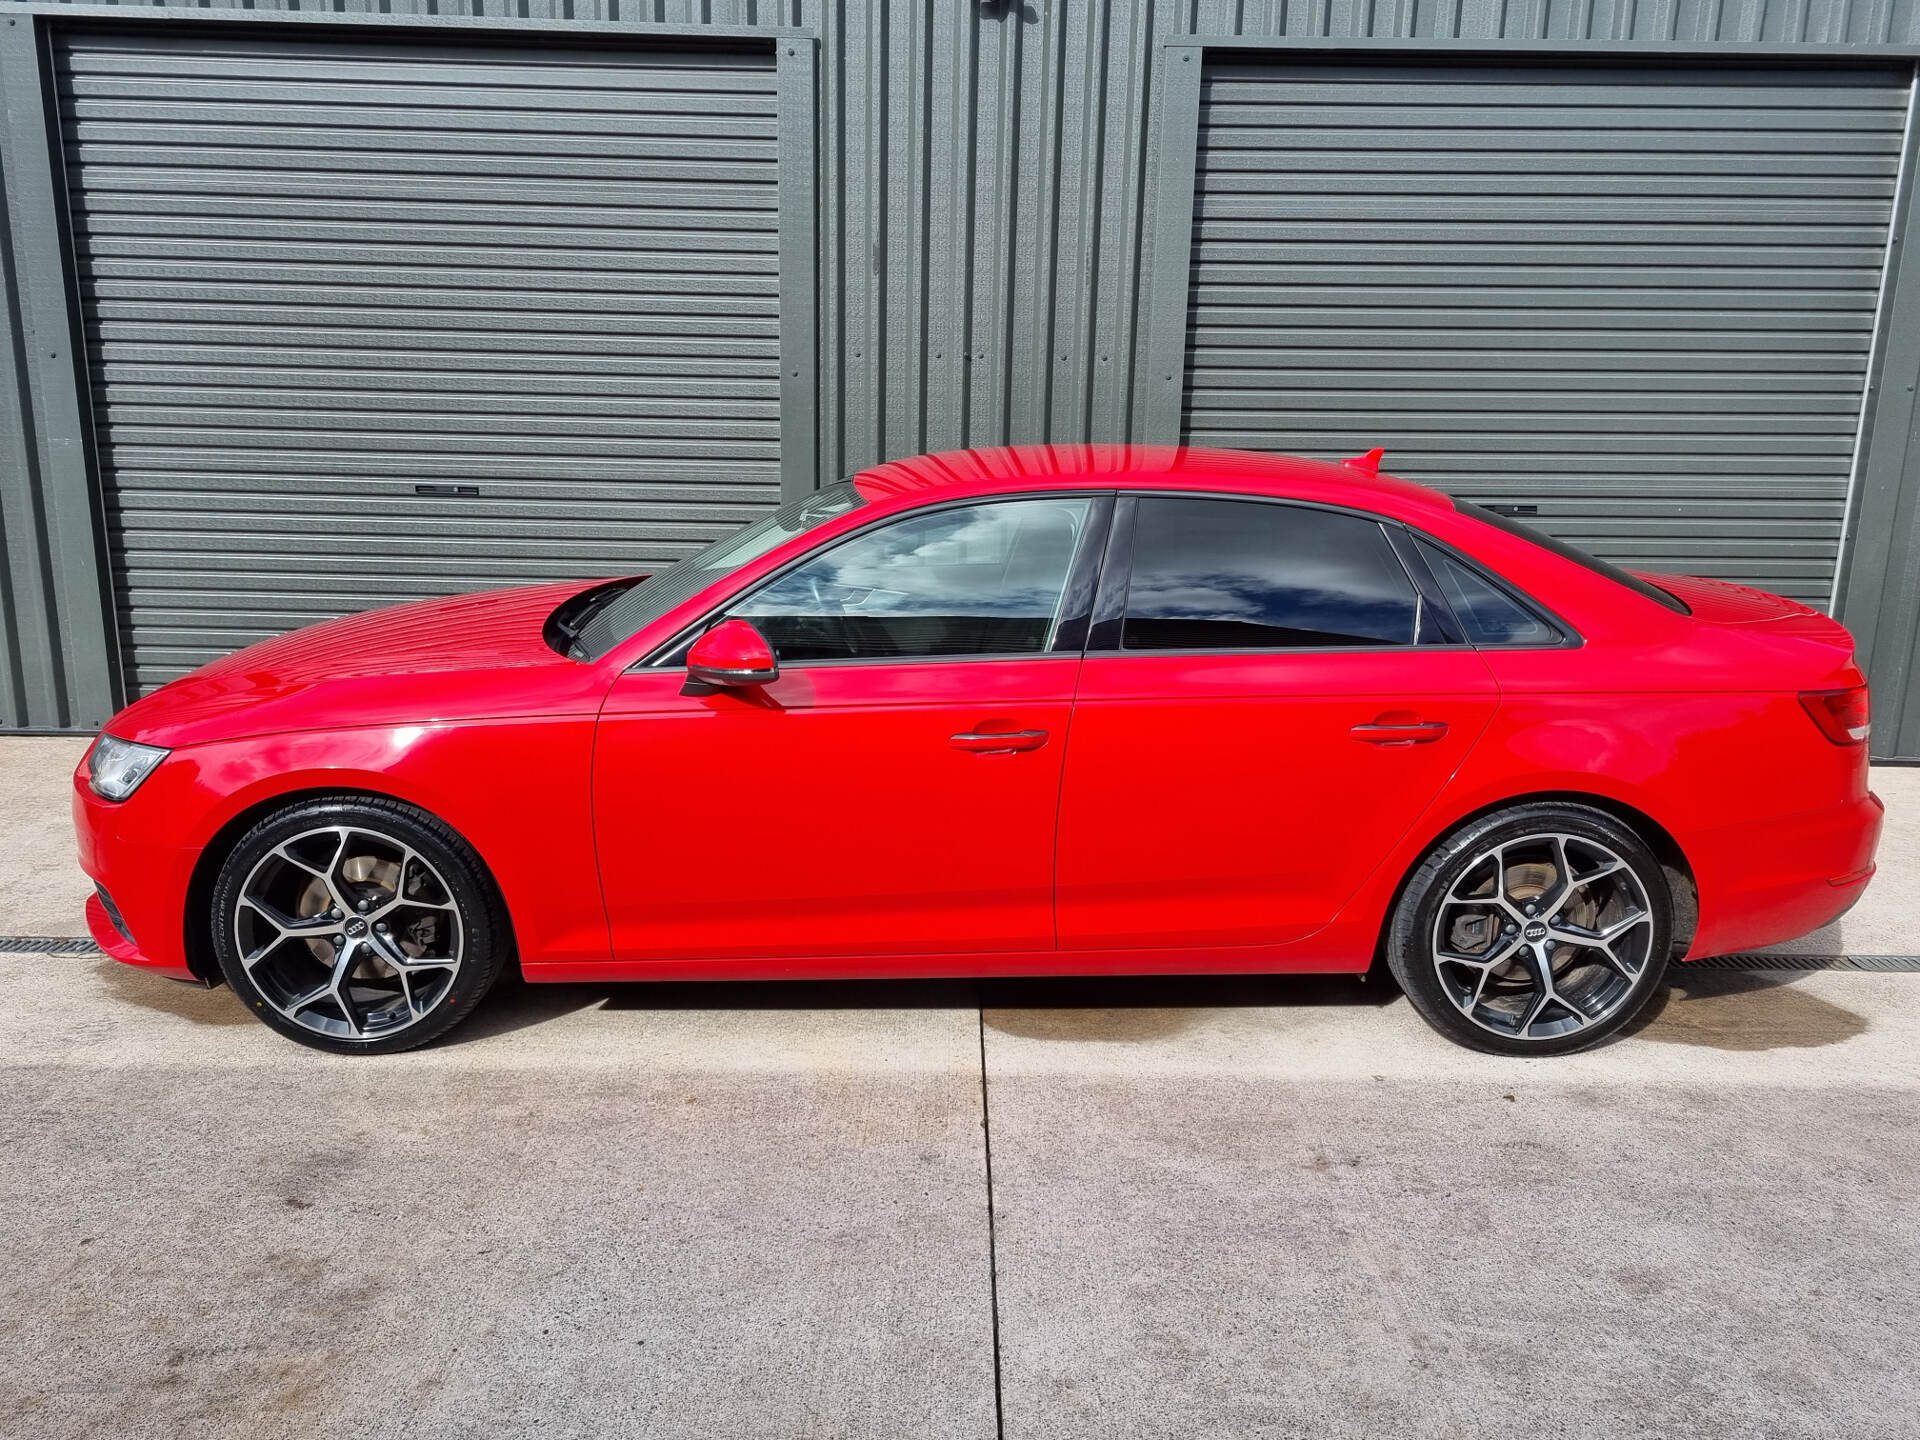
[(115, 767)]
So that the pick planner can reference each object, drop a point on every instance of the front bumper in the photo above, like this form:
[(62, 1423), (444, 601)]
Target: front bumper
[(1761, 884), (122, 852)]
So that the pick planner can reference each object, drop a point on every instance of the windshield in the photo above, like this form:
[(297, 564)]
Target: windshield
[(657, 594), (1576, 554)]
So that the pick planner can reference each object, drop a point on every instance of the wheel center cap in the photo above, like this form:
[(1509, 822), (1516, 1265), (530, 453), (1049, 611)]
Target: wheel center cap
[(1536, 930), (357, 928)]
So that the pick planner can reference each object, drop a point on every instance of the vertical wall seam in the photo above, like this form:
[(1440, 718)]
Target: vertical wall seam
[(1869, 391)]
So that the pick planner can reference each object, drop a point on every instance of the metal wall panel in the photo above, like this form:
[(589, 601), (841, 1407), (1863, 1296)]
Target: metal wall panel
[(1642, 300), (986, 202), (328, 283), (1879, 588)]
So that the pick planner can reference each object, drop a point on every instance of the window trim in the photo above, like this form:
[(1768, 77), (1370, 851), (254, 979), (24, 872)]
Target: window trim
[(1080, 587), (1566, 550), (1427, 586), (1110, 607), (1567, 638)]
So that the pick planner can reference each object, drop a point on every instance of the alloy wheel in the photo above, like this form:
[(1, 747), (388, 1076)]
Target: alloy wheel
[(1542, 936), (349, 933)]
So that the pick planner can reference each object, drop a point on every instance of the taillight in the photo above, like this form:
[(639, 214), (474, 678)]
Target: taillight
[(1842, 715)]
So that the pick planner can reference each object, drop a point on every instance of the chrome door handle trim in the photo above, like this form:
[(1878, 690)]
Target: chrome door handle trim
[(1419, 732), (998, 742)]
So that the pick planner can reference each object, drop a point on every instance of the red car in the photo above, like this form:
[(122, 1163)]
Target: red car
[(1041, 710)]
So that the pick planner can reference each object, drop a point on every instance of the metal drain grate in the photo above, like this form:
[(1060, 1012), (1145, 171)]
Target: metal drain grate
[(1881, 964), (46, 945)]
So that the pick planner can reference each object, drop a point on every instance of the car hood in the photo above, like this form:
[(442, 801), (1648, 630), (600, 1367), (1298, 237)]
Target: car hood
[(429, 660)]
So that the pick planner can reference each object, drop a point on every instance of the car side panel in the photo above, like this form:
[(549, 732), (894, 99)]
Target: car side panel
[(1765, 810), (830, 812), (1228, 800), (516, 790)]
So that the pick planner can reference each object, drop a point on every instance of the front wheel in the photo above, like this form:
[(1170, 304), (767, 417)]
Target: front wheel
[(358, 926), (1537, 930)]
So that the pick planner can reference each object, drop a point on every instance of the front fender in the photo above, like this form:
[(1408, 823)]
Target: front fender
[(515, 789)]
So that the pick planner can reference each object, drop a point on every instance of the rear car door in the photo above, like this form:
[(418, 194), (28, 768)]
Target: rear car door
[(1267, 703), (895, 790)]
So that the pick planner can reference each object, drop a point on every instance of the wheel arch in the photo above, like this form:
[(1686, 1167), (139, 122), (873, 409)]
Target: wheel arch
[(197, 919), (1653, 834)]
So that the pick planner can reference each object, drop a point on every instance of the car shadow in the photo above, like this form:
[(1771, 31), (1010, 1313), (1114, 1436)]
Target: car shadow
[(1743, 1010), (1093, 1007), (1732, 1010)]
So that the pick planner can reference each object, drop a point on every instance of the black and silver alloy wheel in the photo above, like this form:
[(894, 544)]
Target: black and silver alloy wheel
[(356, 925), (1535, 931), (1544, 935)]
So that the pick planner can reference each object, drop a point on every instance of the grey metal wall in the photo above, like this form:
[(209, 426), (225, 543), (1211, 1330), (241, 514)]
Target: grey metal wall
[(1638, 300), (327, 283), (986, 210)]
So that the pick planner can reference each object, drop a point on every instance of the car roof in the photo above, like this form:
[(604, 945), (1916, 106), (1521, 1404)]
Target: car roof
[(958, 473)]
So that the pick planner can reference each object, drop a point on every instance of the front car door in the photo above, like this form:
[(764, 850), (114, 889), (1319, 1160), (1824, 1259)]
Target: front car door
[(1267, 703), (895, 790)]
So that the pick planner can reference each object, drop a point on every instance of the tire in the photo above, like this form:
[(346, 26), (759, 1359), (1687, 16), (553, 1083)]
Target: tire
[(1473, 963), (359, 926)]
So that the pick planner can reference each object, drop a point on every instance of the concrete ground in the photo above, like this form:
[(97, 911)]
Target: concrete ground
[(1247, 1207)]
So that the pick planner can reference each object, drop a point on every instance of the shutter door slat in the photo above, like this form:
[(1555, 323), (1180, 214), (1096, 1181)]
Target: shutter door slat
[(1641, 299), (316, 274)]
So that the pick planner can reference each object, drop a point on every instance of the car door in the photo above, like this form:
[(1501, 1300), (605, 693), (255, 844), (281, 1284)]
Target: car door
[(1257, 723), (895, 789)]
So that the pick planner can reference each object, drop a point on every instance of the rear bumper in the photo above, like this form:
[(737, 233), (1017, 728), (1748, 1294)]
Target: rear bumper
[(1761, 884)]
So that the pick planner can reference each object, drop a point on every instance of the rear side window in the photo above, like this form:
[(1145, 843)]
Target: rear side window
[(1241, 575), (1487, 613)]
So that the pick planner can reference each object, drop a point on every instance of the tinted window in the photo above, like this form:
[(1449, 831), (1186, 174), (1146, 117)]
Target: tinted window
[(1238, 575), (1575, 554), (656, 595), (973, 580), (1488, 614)]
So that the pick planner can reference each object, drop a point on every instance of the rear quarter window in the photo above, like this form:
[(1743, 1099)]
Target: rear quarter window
[(1486, 612)]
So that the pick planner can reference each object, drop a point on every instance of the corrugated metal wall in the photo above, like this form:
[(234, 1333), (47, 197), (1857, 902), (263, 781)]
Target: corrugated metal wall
[(986, 172), (330, 282), (1638, 300)]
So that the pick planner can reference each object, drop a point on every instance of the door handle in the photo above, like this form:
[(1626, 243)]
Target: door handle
[(1415, 732), (1001, 742)]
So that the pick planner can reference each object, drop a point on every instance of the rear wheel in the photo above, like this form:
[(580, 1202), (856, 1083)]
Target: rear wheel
[(1534, 931), (358, 926)]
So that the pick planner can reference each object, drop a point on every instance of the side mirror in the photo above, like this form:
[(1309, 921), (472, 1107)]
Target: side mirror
[(732, 653)]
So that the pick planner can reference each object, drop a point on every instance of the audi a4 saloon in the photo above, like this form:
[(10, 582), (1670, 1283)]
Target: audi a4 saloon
[(1058, 710)]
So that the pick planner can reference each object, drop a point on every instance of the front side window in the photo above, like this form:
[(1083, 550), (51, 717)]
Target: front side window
[(656, 595), (1242, 575), (971, 580)]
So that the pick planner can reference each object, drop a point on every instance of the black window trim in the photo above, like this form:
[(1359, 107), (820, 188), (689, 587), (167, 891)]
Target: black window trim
[(1081, 586), (1427, 587), (1565, 636), (1110, 604), (1564, 550)]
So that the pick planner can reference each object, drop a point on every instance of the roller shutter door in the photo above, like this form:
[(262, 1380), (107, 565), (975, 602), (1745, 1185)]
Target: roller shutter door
[(1641, 300), (327, 285)]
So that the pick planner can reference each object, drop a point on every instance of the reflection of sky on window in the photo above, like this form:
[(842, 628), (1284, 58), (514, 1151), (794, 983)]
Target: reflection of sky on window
[(950, 563), (1027, 602), (1228, 594), (1238, 562)]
